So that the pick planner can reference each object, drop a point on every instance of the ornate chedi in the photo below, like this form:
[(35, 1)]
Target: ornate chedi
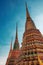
[(32, 45), (15, 52)]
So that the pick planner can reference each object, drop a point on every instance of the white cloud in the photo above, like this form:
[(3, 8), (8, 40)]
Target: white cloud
[(39, 22), (3, 60)]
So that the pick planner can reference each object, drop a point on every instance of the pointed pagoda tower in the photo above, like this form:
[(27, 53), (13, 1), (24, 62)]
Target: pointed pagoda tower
[(16, 43), (14, 53), (32, 44)]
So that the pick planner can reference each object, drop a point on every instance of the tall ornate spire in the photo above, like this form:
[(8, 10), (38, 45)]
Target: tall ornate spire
[(27, 13), (16, 43), (16, 38), (29, 22)]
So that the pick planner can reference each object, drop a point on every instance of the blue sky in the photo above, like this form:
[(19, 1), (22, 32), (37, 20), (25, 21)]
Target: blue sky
[(12, 11)]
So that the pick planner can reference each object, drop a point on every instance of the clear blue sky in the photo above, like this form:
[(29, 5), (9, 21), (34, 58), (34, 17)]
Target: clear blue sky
[(12, 11)]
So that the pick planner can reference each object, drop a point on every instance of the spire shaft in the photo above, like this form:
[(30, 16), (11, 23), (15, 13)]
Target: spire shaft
[(11, 46), (16, 43), (27, 13), (29, 22), (16, 38)]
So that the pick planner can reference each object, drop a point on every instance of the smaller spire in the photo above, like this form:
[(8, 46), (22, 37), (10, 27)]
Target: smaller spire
[(11, 46), (16, 43), (16, 32)]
